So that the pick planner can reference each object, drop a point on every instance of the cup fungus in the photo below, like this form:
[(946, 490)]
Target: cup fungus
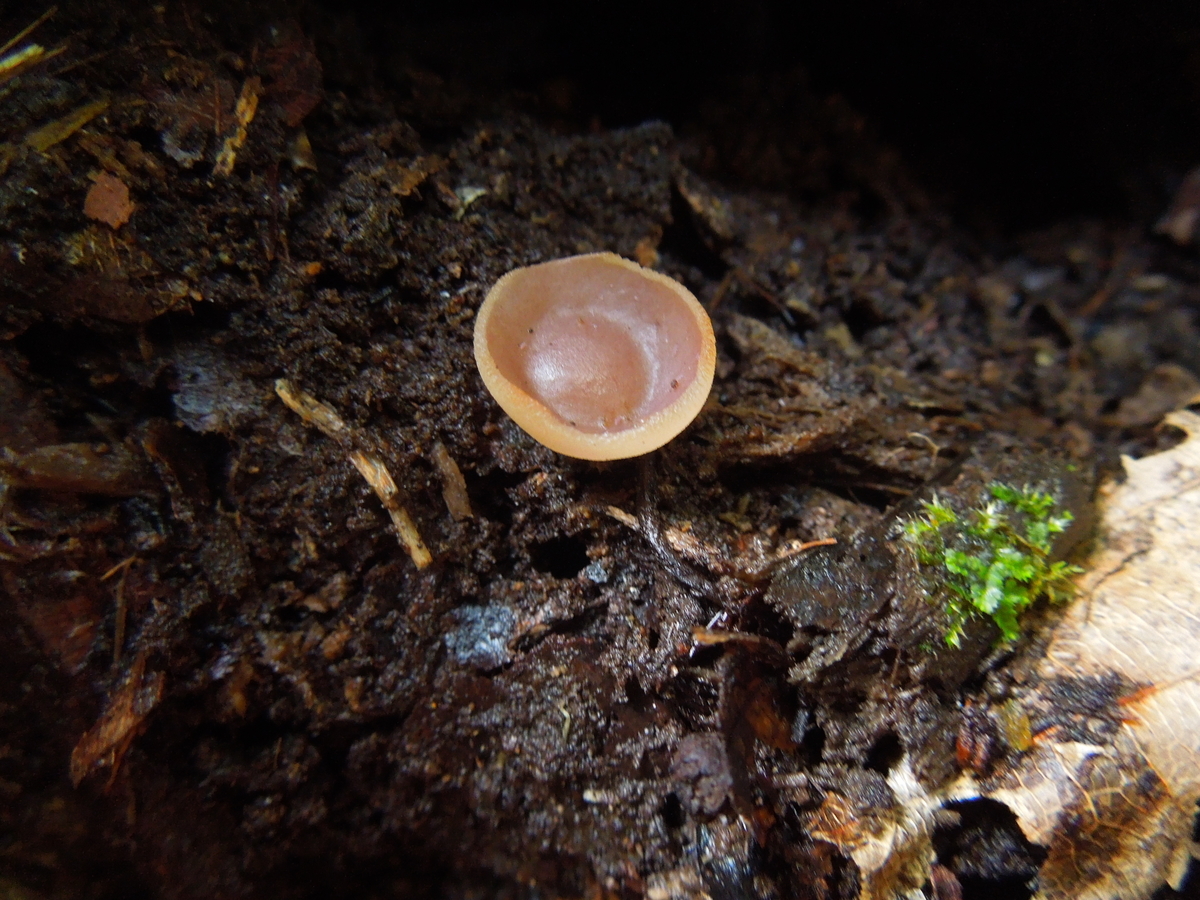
[(594, 356)]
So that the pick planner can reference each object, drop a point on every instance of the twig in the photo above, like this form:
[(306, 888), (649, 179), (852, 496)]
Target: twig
[(373, 470), (310, 409), (121, 613), (325, 418), (28, 30)]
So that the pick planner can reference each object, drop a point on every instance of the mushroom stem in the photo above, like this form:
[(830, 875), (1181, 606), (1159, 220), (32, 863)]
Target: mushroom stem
[(652, 531)]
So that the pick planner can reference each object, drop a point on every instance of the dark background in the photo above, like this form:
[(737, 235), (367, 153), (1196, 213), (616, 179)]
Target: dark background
[(1014, 114)]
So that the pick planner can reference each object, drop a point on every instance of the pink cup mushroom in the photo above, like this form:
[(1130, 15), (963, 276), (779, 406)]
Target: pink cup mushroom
[(594, 356)]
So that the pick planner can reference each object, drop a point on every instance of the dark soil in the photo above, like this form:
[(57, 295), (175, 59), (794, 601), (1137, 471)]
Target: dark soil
[(224, 676)]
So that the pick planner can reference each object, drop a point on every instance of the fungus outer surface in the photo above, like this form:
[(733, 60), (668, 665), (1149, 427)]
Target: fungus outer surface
[(594, 356)]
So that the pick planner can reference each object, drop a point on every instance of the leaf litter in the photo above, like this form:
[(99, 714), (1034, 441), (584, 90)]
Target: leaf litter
[(1116, 816)]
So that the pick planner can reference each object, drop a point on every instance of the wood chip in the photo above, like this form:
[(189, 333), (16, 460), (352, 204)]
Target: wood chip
[(111, 471), (59, 130), (247, 106), (454, 486), (108, 201), (106, 742), (19, 61), (404, 178)]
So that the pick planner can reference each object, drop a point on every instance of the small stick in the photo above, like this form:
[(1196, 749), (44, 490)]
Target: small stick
[(687, 545), (326, 419), (121, 613), (28, 30), (125, 563), (373, 470), (320, 415), (787, 553)]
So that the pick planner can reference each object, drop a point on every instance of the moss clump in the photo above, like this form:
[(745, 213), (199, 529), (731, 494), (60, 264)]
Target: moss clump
[(995, 559)]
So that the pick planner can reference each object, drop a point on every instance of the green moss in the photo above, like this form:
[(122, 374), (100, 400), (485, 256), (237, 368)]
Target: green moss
[(995, 559)]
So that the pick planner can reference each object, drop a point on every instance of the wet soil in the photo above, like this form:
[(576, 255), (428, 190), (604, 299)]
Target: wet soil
[(224, 675)]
